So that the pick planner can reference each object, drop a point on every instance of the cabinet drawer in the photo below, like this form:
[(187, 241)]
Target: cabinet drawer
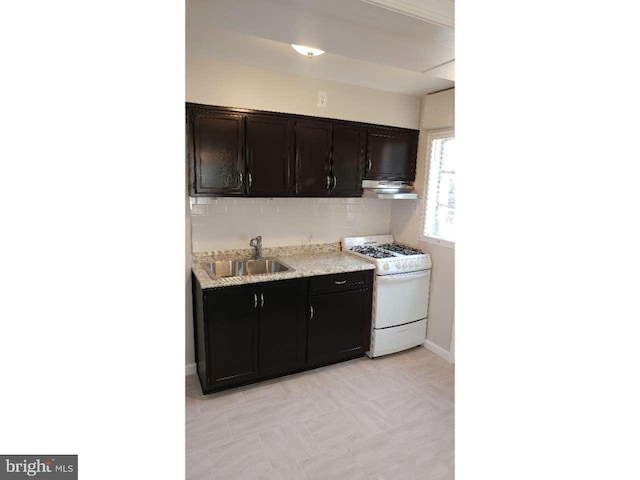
[(337, 283)]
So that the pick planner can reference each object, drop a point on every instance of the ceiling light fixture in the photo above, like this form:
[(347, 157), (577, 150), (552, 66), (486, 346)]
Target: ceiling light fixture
[(308, 51)]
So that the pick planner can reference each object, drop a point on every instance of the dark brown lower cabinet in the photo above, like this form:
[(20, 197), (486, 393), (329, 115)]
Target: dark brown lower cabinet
[(230, 330), (281, 326), (250, 332), (340, 322), (335, 327)]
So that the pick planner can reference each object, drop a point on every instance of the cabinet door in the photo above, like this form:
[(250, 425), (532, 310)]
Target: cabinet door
[(281, 326), (391, 154), (312, 147), (336, 325), (218, 153), (347, 160), (269, 145), (232, 335)]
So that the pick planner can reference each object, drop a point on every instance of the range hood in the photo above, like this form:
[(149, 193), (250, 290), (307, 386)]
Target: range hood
[(388, 190)]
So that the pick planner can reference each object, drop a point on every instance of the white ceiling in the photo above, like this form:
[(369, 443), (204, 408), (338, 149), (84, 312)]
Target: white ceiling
[(367, 42)]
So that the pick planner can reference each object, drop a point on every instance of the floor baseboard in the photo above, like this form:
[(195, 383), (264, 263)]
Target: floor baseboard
[(441, 352)]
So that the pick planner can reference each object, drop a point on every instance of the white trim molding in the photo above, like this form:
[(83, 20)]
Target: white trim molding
[(424, 204), (438, 241), (440, 12), (190, 369), (441, 352)]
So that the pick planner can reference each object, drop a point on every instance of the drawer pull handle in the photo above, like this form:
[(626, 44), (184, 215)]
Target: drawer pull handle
[(311, 309), (340, 283), (261, 300), (255, 301)]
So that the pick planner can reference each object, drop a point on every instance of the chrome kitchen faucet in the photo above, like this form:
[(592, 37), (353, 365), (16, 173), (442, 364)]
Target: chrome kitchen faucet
[(257, 244)]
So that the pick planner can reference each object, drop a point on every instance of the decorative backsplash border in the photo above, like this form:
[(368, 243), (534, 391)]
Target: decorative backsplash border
[(247, 253)]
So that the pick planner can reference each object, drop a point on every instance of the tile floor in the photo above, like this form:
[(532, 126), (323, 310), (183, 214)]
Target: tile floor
[(389, 418)]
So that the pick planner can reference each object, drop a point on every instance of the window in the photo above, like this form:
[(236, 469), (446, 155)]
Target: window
[(439, 218)]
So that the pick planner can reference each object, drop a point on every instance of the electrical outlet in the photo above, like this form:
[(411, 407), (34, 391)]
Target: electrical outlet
[(306, 238), (322, 98)]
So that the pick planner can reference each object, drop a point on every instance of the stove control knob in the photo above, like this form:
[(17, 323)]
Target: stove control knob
[(404, 264), (385, 266)]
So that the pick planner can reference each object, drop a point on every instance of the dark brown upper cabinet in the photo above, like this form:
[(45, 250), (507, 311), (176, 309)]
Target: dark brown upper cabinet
[(217, 152), (244, 152), (347, 160), (313, 150), (269, 145), (391, 154)]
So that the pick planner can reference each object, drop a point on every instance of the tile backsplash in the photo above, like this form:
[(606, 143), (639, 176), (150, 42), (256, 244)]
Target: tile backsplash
[(227, 223)]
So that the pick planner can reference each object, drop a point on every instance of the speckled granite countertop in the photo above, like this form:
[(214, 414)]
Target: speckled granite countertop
[(306, 261)]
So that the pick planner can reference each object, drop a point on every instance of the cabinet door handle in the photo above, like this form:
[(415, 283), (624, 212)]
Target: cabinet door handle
[(241, 179), (311, 310), (249, 165), (340, 283), (255, 300), (368, 164), (295, 172), (328, 182), (335, 182), (261, 300)]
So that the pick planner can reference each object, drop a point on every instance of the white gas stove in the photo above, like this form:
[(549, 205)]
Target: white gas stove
[(389, 258), (400, 293)]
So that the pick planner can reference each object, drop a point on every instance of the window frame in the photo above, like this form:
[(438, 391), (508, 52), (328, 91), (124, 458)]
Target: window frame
[(431, 136)]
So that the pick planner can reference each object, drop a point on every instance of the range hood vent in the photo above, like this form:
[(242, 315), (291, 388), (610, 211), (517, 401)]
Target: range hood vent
[(388, 190)]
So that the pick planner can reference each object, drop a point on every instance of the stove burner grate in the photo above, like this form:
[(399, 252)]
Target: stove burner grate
[(371, 252), (400, 249)]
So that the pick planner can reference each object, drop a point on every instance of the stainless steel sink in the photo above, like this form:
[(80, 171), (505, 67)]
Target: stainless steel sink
[(240, 268)]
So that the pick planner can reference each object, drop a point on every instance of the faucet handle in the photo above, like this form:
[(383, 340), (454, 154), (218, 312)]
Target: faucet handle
[(255, 241)]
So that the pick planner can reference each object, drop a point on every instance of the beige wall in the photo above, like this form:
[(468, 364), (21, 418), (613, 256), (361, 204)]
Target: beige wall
[(213, 82), (230, 223), (406, 226)]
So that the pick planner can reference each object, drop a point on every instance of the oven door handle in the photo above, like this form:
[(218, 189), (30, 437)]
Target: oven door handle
[(402, 277)]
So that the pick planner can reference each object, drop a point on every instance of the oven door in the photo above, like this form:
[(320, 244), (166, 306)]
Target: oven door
[(401, 298)]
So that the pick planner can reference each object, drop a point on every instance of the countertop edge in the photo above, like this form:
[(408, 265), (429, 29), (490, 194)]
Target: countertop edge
[(353, 265)]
